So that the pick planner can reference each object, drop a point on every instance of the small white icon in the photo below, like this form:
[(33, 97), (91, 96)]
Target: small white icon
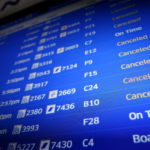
[(12, 146), (16, 129), (29, 87), (32, 75), (21, 113), (44, 145), (88, 42), (40, 48), (42, 41), (64, 27), (25, 99), (63, 34), (38, 56), (35, 66), (50, 109), (46, 28), (60, 50), (44, 34), (53, 94), (57, 70)]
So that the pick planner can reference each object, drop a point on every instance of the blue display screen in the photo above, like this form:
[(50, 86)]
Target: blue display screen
[(77, 78)]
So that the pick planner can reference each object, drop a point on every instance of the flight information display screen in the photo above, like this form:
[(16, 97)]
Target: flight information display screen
[(78, 78)]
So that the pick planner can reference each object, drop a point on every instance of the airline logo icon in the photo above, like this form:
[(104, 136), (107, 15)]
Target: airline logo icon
[(32, 75), (38, 56), (57, 70), (35, 66), (46, 28), (42, 41), (60, 50), (63, 34), (51, 109), (29, 87), (16, 129), (64, 27), (25, 99), (21, 113), (53, 94), (45, 145), (40, 48), (44, 34), (12, 146)]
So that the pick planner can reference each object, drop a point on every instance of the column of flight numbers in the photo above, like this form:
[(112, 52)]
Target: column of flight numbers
[(18, 129), (55, 93), (34, 31), (37, 65), (89, 52), (44, 49), (54, 29), (23, 113), (33, 34), (28, 48)]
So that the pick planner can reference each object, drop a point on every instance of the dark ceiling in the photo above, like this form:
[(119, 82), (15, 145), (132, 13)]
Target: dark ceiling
[(39, 8)]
